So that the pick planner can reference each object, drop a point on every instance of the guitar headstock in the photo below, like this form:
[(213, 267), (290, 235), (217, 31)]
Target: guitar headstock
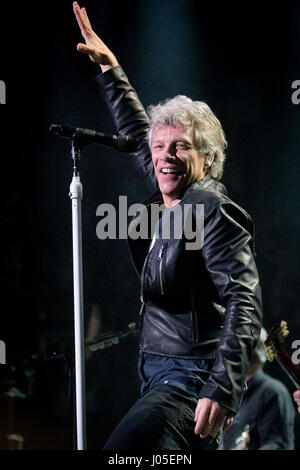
[(275, 338), (275, 350)]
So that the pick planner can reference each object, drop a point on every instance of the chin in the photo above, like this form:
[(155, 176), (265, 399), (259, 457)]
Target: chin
[(173, 188), (172, 192)]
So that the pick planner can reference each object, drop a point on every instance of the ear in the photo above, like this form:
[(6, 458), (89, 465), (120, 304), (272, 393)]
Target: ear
[(209, 161)]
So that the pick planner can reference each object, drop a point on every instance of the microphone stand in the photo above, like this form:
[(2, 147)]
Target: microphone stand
[(76, 193), (81, 137)]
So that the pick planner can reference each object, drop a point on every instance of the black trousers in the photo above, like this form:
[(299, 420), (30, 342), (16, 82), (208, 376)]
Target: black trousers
[(162, 419)]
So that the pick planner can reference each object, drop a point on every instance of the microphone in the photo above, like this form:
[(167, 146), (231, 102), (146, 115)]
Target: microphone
[(123, 143)]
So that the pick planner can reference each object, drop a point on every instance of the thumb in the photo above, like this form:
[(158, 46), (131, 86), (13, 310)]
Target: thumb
[(84, 48)]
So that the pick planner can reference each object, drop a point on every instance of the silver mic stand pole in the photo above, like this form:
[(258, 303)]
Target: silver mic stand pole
[(76, 197), (81, 137)]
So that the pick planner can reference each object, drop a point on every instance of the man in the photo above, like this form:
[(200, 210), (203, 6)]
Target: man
[(201, 309), (267, 410)]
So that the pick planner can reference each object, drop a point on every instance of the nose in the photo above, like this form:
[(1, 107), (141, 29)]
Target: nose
[(167, 155)]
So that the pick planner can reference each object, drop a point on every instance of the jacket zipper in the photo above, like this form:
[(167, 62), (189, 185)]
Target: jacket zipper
[(142, 315), (160, 257), (143, 278)]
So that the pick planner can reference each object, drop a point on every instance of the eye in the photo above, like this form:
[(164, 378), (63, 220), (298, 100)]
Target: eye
[(183, 146), (157, 146)]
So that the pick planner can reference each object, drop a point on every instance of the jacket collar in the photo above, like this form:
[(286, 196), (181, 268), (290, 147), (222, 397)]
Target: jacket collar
[(207, 183)]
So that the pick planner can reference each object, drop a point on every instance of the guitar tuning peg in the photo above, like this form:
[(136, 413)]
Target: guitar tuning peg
[(270, 353), (283, 331)]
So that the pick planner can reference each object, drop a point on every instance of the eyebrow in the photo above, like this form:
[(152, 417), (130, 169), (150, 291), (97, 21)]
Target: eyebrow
[(178, 141), (181, 141)]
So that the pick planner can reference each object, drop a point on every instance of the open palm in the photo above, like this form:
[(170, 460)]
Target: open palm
[(94, 46)]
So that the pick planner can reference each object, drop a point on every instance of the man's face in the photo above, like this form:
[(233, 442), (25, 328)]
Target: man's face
[(176, 161)]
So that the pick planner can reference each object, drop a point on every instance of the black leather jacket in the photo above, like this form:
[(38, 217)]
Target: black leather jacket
[(196, 304)]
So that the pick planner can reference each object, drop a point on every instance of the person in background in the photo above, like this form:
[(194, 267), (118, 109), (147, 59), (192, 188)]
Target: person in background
[(266, 418)]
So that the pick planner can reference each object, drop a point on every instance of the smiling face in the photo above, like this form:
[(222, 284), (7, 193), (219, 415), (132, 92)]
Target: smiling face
[(176, 161)]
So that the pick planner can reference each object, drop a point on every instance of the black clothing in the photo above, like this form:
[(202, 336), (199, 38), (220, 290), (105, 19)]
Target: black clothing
[(162, 419), (268, 409), (210, 304)]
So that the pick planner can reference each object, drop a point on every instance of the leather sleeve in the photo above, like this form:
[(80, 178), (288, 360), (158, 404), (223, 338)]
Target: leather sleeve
[(129, 117), (230, 263)]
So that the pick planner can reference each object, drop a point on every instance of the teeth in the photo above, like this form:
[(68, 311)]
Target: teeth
[(168, 170)]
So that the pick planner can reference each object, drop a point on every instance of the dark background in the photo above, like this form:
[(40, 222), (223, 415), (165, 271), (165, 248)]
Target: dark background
[(242, 62)]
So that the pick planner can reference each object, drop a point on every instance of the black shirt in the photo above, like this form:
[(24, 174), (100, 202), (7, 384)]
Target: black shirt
[(268, 409)]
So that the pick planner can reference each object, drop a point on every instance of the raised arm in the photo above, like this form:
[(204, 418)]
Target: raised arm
[(128, 113)]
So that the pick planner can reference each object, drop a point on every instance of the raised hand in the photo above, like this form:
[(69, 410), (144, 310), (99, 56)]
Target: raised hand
[(94, 47)]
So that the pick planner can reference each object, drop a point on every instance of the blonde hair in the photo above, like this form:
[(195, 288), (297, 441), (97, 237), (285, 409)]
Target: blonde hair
[(208, 133)]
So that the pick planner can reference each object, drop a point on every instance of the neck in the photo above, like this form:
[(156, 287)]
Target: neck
[(170, 202)]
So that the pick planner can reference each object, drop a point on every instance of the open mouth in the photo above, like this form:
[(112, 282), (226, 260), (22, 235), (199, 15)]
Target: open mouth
[(167, 171)]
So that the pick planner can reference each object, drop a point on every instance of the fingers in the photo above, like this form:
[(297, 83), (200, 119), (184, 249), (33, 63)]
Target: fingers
[(197, 411), (209, 417), (87, 21), (76, 10), (216, 421), (227, 423), (296, 396), (82, 20), (201, 422), (201, 416), (94, 47)]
